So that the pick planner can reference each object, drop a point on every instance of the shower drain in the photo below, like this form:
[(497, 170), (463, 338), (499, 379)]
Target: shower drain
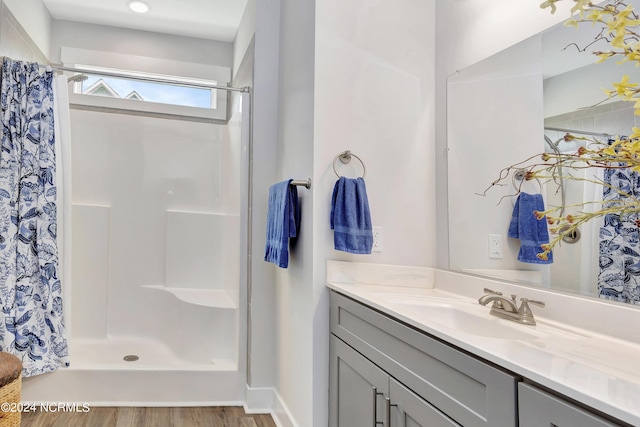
[(130, 358)]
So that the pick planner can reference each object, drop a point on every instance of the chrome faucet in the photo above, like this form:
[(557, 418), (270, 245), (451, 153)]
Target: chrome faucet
[(508, 308)]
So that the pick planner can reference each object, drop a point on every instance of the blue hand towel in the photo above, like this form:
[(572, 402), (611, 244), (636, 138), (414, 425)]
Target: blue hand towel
[(531, 231), (283, 217), (350, 216)]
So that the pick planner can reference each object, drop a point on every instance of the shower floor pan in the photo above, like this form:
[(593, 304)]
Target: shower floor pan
[(151, 354), (100, 375)]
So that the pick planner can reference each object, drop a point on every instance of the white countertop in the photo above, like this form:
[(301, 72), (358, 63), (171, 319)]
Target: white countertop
[(594, 369)]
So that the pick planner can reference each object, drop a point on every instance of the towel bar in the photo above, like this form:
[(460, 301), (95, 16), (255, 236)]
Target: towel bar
[(299, 182)]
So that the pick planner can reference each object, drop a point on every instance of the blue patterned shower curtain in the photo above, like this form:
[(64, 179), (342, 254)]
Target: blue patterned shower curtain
[(619, 278), (31, 321)]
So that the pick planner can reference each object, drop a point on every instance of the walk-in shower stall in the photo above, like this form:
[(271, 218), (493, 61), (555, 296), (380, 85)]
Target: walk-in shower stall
[(155, 307)]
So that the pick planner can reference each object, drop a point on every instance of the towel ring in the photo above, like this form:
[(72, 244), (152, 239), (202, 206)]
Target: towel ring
[(519, 176), (345, 157)]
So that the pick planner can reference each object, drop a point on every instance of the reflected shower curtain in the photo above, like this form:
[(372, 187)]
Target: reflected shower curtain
[(31, 323), (619, 278)]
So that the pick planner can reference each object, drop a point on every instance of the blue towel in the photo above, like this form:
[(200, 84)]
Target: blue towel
[(283, 217), (531, 231), (350, 216)]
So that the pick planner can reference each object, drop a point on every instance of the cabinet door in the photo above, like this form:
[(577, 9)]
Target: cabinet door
[(541, 409), (356, 388), (409, 410)]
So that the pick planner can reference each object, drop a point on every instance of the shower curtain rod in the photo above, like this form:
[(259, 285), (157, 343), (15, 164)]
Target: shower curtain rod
[(581, 132), (59, 67)]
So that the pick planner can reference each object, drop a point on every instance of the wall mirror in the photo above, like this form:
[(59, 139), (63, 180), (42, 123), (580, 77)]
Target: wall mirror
[(516, 104)]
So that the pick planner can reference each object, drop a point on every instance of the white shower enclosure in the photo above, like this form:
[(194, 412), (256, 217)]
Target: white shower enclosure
[(156, 313)]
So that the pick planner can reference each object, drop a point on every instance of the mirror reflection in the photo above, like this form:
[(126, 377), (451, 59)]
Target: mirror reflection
[(518, 104)]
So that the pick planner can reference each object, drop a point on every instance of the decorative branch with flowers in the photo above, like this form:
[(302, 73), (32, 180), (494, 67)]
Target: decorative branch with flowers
[(620, 28)]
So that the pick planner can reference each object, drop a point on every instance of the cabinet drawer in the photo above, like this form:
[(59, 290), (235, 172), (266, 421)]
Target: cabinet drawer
[(468, 390), (541, 409)]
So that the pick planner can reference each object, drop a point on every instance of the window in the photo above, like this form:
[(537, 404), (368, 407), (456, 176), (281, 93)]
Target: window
[(129, 88), (137, 91)]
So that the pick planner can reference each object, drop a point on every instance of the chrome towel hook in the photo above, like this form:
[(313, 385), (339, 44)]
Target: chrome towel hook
[(345, 157)]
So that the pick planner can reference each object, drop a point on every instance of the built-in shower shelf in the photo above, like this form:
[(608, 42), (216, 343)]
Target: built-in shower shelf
[(206, 297)]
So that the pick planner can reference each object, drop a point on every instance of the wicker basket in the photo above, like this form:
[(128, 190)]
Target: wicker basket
[(10, 387)]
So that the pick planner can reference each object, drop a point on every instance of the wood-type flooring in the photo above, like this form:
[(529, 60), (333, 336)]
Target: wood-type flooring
[(227, 416)]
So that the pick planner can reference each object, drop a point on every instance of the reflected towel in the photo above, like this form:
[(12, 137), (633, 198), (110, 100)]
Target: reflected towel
[(283, 217), (350, 216), (531, 231)]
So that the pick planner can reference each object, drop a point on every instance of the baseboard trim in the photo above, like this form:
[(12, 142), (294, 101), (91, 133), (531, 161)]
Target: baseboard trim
[(266, 400)]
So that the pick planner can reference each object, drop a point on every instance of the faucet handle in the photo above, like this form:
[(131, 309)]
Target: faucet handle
[(538, 303), (489, 291), (526, 315)]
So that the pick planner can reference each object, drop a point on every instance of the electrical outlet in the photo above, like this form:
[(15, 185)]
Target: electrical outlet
[(377, 239), (495, 246)]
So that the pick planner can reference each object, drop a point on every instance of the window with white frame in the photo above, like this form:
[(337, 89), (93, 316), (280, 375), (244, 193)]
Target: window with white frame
[(148, 91), (130, 84)]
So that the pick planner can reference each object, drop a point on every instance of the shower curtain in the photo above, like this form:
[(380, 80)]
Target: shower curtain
[(31, 318), (619, 278)]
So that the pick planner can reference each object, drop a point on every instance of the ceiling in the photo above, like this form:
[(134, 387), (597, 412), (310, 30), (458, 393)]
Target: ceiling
[(209, 19)]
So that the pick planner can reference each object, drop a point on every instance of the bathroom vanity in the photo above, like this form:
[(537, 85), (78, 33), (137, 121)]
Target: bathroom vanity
[(377, 362), (421, 356)]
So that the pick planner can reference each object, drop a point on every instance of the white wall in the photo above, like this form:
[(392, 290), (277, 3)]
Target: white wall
[(245, 33), (374, 90), (142, 43), (262, 345), (487, 27), (294, 286), (35, 19), (367, 87)]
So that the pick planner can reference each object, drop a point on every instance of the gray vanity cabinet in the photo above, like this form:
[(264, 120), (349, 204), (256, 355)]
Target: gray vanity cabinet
[(428, 383), (541, 409), (362, 395)]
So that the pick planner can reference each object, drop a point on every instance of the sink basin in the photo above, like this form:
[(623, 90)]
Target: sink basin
[(463, 317)]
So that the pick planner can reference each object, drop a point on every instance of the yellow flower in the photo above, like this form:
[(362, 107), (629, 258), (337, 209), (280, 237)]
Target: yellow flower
[(624, 87), (549, 3), (611, 150), (603, 56), (580, 5), (543, 256), (629, 55), (572, 23), (618, 26), (595, 15)]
